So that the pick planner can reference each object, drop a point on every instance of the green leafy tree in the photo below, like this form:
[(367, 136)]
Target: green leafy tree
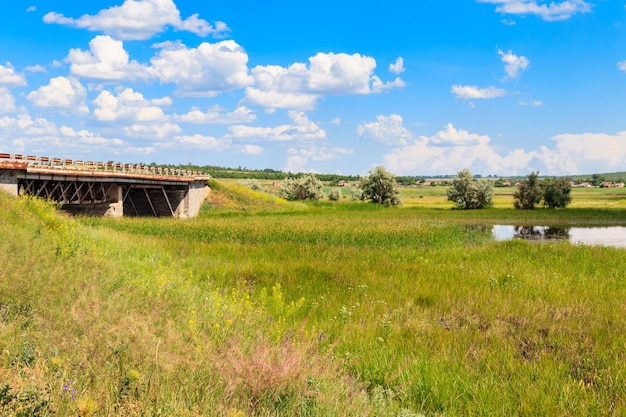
[(556, 193), (380, 187), (307, 187), (529, 193), (468, 193)]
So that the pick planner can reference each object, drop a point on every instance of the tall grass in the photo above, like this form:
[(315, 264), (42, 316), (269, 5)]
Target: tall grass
[(323, 310)]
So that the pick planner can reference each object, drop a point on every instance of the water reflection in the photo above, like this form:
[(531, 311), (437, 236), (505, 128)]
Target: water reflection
[(608, 235)]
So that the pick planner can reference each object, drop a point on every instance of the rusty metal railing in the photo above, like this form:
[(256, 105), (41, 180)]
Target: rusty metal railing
[(79, 165)]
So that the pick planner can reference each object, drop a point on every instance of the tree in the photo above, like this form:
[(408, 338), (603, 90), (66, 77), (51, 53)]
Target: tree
[(556, 193), (529, 193), (468, 193), (380, 187), (307, 187)]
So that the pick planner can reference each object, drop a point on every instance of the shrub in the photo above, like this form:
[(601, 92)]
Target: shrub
[(307, 187), (254, 185), (468, 193), (529, 193), (334, 195), (556, 193), (380, 187)]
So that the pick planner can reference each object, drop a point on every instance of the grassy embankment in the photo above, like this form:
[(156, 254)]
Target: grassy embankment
[(324, 309)]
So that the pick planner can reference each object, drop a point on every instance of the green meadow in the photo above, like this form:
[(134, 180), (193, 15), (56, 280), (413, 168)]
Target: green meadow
[(263, 307)]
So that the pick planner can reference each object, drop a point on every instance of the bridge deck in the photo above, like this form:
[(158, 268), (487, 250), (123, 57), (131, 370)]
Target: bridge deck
[(111, 188)]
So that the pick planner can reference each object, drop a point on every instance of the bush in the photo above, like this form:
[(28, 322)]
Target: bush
[(380, 187), (529, 193), (307, 187), (556, 193), (334, 195), (254, 185), (468, 193)]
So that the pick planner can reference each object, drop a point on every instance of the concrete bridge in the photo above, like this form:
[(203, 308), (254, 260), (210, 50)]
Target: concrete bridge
[(105, 188)]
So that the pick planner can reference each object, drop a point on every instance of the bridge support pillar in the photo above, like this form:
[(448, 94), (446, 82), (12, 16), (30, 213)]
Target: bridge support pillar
[(115, 200), (8, 182), (190, 206)]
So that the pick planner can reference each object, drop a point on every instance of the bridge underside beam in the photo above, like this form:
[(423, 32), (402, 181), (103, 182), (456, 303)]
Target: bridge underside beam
[(153, 200), (68, 192)]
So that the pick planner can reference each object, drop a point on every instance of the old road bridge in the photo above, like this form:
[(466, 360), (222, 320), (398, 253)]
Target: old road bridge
[(105, 188)]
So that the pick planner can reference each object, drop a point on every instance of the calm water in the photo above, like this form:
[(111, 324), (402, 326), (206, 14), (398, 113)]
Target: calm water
[(588, 235)]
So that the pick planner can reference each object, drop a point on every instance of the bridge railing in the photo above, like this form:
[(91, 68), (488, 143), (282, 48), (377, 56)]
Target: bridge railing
[(79, 165)]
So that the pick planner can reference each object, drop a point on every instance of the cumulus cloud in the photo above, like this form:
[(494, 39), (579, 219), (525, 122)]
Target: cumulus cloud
[(250, 149), (156, 130), (61, 93), (585, 153), (297, 159), (8, 76), (207, 70), (513, 64), (398, 66), (450, 150), (129, 105), (386, 129), (301, 129), (106, 60), (207, 143), (7, 101), (40, 136), (621, 65), (216, 115), (300, 85), (450, 136), (139, 20), (550, 12), (474, 92)]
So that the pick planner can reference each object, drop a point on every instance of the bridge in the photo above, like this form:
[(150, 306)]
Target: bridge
[(105, 188)]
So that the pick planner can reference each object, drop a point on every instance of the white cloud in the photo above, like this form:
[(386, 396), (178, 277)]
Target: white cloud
[(398, 66), (156, 130), (35, 68), (386, 129), (207, 70), (8, 76), (139, 20), (25, 125), (197, 141), (450, 136), (216, 115), (298, 158), (301, 129), (129, 106), (7, 102), (300, 85), (513, 64), (106, 60), (31, 8), (250, 150), (621, 65), (534, 103), (61, 93), (39, 136), (450, 150), (586, 153), (549, 12), (474, 92)]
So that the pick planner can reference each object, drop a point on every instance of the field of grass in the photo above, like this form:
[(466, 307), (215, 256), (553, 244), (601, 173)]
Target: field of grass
[(261, 307)]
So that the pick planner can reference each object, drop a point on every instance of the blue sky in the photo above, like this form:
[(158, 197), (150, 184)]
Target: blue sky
[(422, 87)]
